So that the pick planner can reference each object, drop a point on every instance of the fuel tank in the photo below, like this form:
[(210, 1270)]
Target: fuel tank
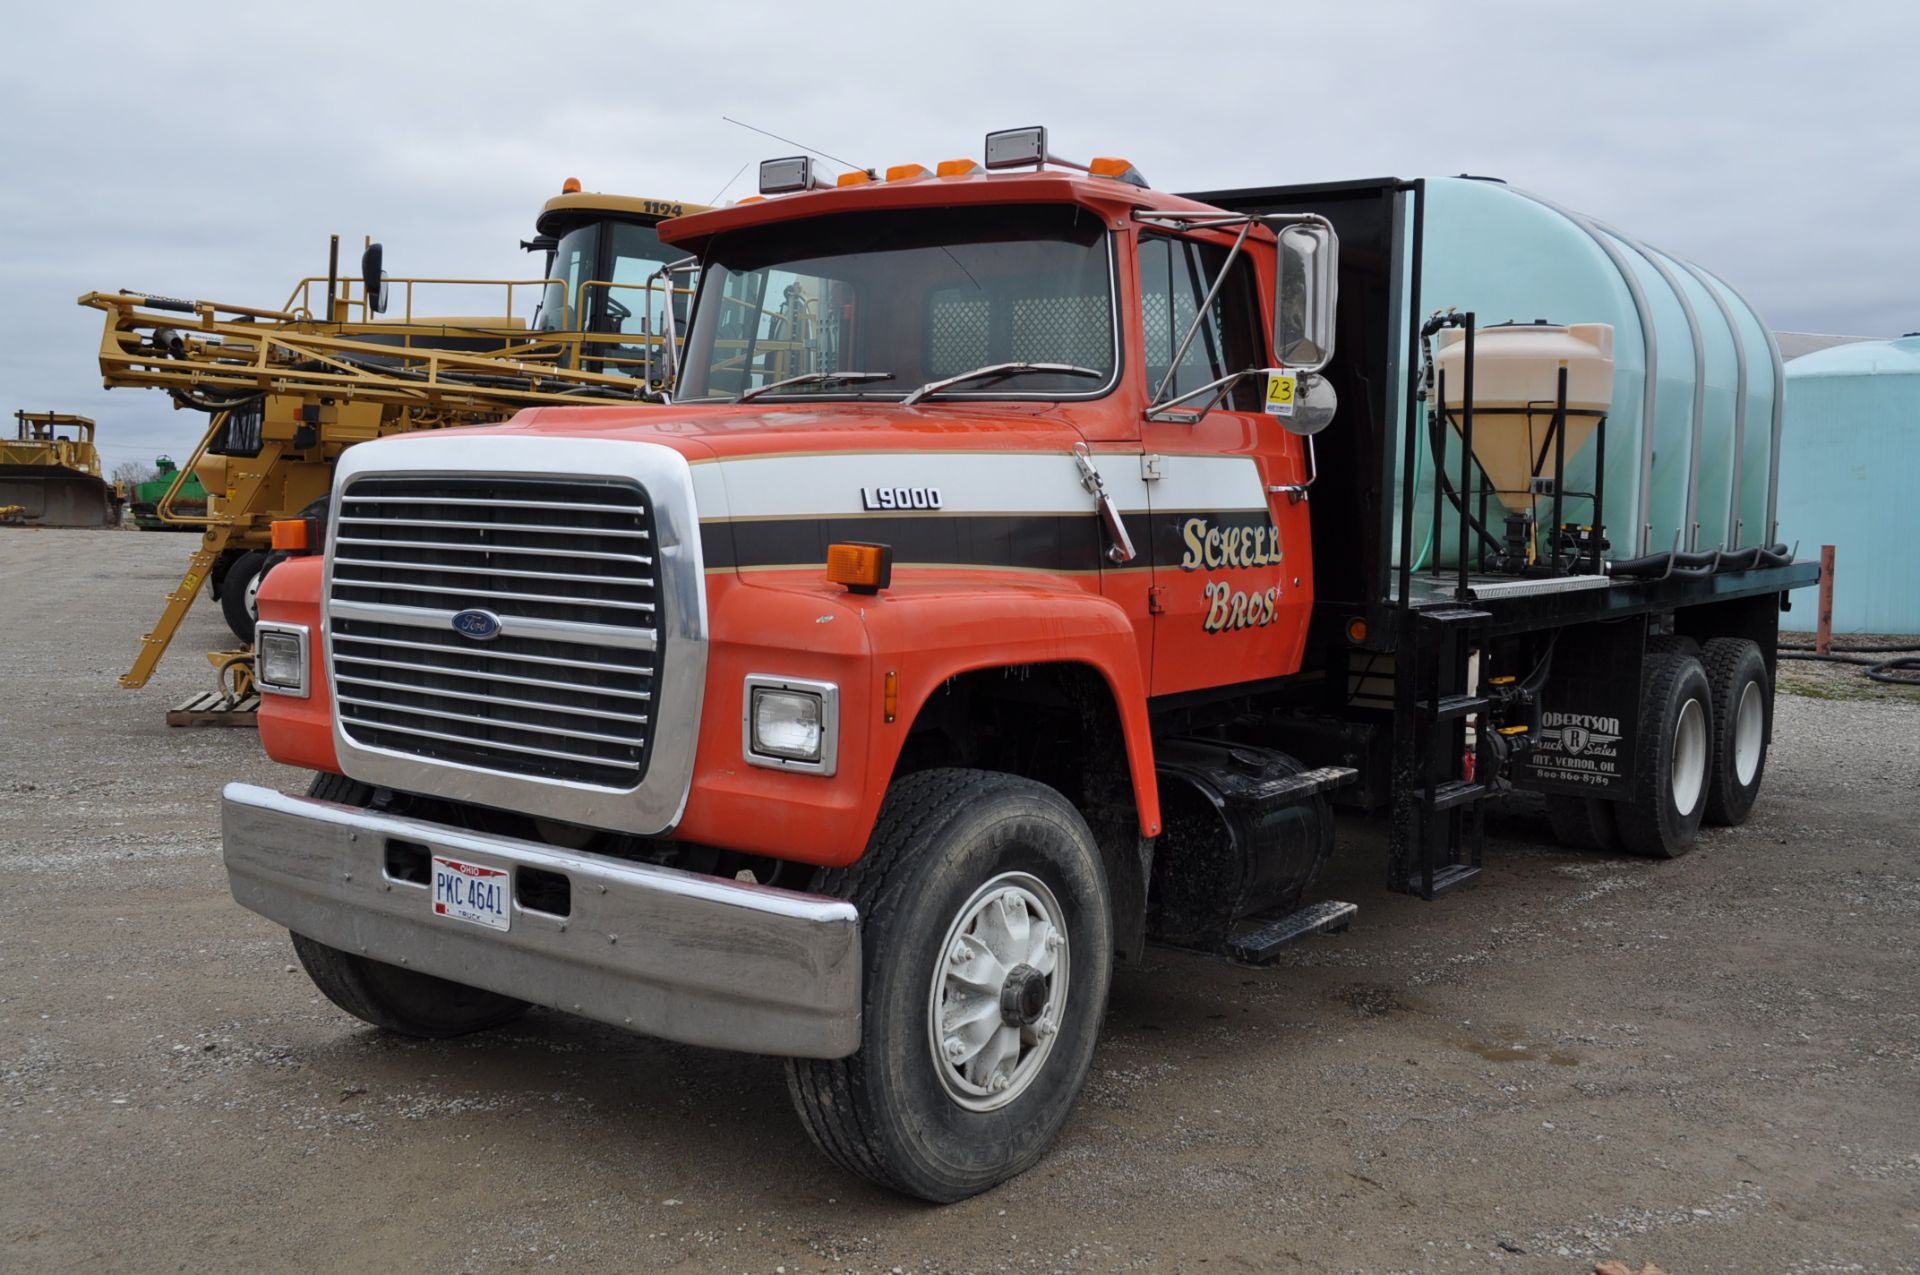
[(1225, 852)]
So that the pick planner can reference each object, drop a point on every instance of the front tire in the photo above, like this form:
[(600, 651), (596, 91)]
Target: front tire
[(987, 940), (400, 1000), (1669, 791)]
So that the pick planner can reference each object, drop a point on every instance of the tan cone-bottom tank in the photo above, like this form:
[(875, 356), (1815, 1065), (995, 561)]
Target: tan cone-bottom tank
[(1516, 375)]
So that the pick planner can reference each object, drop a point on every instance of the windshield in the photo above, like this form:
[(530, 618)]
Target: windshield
[(907, 297), (593, 293)]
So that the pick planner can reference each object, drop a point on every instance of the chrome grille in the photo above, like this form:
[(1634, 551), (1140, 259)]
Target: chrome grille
[(566, 689)]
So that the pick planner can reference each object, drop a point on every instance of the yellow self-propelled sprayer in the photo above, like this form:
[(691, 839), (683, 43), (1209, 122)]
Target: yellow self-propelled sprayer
[(346, 360)]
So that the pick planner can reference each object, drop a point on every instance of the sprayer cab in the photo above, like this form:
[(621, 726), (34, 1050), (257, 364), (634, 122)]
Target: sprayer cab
[(604, 264)]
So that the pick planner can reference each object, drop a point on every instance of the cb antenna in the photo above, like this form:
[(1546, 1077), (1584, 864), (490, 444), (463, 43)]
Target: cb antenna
[(844, 163)]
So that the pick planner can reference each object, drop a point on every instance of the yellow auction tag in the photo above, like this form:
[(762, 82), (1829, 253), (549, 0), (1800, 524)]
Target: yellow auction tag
[(1280, 388)]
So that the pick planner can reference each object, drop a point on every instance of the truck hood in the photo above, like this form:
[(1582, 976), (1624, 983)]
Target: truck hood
[(719, 431)]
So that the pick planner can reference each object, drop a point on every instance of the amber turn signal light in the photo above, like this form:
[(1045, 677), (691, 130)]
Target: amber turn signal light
[(293, 535), (863, 568), (1357, 630)]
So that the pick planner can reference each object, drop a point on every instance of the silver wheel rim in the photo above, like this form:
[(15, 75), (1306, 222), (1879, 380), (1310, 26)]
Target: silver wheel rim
[(1689, 772), (1749, 733), (1007, 940), (250, 596)]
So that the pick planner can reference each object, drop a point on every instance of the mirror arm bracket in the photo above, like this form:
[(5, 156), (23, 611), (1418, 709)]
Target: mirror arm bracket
[(669, 354), (1172, 411), (1297, 492), (1200, 313)]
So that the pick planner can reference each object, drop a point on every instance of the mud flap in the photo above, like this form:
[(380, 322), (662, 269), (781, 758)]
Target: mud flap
[(1589, 713)]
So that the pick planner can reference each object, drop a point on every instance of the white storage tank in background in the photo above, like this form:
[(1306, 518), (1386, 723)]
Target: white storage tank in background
[(1849, 461)]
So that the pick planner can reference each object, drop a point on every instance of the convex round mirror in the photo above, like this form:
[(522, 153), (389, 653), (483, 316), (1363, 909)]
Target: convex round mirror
[(1313, 405)]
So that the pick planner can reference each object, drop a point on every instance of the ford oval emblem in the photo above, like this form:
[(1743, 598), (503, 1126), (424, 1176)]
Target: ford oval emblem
[(479, 625)]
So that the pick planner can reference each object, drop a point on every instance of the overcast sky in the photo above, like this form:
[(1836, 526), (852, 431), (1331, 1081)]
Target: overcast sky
[(208, 150)]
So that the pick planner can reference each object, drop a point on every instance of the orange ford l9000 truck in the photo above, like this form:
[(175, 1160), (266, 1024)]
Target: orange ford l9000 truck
[(1014, 577)]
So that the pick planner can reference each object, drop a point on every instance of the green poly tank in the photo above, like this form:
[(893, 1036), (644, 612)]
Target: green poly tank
[(1692, 440)]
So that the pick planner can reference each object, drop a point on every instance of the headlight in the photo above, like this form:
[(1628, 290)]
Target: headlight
[(280, 659), (791, 724)]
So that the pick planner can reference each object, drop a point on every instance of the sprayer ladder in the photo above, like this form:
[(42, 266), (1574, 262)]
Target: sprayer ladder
[(244, 502)]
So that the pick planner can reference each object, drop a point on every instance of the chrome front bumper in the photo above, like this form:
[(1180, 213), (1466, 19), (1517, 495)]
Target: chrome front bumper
[(667, 953)]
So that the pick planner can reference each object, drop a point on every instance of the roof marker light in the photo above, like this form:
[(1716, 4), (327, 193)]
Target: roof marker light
[(790, 173), (858, 177), (1023, 148), (957, 168), (1118, 169), (571, 186), (907, 172)]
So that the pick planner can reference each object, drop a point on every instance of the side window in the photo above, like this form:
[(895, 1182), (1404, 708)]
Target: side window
[(1174, 277)]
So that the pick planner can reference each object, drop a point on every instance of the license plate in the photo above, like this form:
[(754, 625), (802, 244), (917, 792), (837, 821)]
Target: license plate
[(471, 892)]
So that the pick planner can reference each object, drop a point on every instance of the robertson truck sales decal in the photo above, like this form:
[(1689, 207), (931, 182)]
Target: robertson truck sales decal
[(1579, 748)]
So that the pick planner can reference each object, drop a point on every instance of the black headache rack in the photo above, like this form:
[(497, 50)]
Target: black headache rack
[(1386, 678)]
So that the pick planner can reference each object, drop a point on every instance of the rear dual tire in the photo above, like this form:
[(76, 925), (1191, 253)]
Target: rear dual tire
[(1661, 817), (1742, 727), (1706, 721)]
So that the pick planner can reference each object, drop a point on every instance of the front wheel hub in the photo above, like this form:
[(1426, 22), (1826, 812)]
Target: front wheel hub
[(998, 991), (1023, 999)]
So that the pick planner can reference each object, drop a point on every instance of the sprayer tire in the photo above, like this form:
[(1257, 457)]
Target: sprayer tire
[(1661, 817), (1742, 728), (235, 594)]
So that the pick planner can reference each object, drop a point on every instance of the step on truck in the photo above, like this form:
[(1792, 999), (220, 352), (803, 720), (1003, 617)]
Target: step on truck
[(1027, 565)]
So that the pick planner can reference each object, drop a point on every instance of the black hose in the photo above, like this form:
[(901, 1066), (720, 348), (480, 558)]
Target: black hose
[(1876, 648), (1437, 448), (1695, 565), (1904, 670)]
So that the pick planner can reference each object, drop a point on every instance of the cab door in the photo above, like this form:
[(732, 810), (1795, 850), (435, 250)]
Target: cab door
[(1230, 554)]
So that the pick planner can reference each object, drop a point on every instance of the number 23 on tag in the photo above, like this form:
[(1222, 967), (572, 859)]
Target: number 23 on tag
[(1280, 388)]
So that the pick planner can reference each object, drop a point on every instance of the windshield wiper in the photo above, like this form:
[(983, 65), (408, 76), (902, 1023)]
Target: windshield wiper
[(999, 369), (810, 378)]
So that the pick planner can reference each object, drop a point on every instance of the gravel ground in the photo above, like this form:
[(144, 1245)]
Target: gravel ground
[(1713, 1064)]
